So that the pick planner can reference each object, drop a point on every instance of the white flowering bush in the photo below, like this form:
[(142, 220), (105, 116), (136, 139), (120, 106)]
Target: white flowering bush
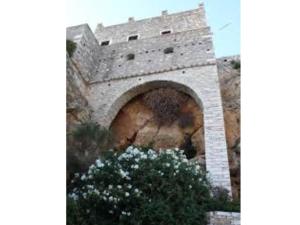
[(140, 186)]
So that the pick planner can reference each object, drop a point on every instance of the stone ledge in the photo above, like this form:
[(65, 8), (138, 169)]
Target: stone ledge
[(208, 63)]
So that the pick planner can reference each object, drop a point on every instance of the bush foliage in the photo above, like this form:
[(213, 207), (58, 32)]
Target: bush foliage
[(141, 186), (235, 64), (84, 146), (71, 47), (165, 103)]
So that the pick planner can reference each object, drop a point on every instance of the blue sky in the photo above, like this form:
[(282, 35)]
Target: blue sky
[(223, 16)]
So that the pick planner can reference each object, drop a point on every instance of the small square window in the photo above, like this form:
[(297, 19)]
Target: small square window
[(133, 37), (104, 43), (169, 50), (165, 32), (130, 56)]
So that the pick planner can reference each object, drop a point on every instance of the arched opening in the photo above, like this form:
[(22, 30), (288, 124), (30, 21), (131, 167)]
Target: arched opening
[(160, 115)]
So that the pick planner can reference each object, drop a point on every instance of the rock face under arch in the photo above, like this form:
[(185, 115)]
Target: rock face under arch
[(136, 124)]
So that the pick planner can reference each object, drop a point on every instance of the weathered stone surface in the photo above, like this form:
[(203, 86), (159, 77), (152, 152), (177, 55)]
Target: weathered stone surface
[(136, 125), (198, 141), (224, 218), (230, 89), (168, 137)]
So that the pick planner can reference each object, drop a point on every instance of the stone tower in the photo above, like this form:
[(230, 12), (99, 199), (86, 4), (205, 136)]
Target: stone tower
[(119, 62)]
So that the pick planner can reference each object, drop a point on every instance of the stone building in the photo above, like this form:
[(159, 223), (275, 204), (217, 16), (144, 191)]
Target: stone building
[(116, 63)]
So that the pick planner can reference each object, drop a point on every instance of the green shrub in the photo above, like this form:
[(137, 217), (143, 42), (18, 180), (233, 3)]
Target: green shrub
[(84, 146), (165, 104), (71, 47), (222, 202), (235, 64), (140, 187)]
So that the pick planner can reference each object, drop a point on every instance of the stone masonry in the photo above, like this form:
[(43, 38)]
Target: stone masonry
[(122, 61), (224, 218)]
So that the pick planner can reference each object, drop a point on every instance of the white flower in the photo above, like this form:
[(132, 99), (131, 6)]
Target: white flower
[(73, 196), (167, 164), (190, 186), (126, 194), (136, 190), (99, 163), (83, 177), (197, 167), (144, 156), (135, 166), (110, 211), (110, 187), (129, 186), (119, 186), (110, 199), (88, 211)]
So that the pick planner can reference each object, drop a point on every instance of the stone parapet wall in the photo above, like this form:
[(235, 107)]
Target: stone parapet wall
[(151, 27), (224, 218)]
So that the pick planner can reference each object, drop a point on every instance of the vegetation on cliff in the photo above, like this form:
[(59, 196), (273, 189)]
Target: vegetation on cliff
[(71, 47)]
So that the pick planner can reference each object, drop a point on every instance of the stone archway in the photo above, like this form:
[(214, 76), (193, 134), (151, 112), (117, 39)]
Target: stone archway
[(107, 98), (182, 125), (125, 97)]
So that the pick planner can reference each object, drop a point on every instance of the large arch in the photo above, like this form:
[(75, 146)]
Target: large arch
[(125, 97), (201, 83)]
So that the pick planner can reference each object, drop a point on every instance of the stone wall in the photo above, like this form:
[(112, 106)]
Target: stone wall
[(191, 48), (78, 108), (87, 50), (151, 27), (224, 218)]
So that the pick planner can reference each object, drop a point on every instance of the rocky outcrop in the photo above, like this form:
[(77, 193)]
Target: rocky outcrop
[(229, 77), (135, 124), (78, 109)]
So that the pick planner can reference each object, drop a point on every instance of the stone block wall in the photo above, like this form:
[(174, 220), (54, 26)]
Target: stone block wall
[(190, 48), (224, 218), (87, 50), (78, 108), (151, 27)]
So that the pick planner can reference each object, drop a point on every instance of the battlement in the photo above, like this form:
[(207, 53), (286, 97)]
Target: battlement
[(151, 27)]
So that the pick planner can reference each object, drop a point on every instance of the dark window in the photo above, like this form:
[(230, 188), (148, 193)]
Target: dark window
[(168, 50), (132, 38), (103, 43), (166, 32), (130, 57)]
